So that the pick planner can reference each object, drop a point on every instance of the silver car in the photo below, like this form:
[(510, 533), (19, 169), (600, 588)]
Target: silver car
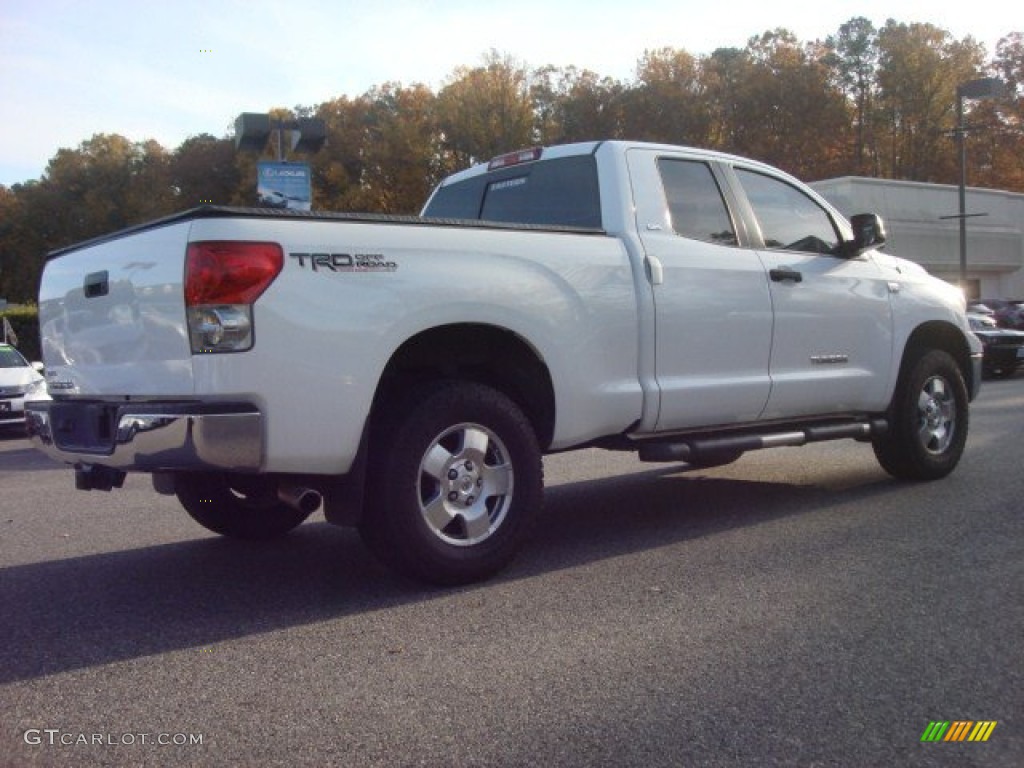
[(18, 379)]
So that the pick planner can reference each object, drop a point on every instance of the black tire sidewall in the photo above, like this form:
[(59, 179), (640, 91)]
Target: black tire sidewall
[(393, 524), (901, 452), (208, 499)]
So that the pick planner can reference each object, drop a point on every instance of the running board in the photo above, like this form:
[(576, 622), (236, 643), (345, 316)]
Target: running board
[(706, 447)]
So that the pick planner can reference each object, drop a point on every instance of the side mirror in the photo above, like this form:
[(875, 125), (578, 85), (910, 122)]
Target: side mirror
[(38, 367), (868, 233)]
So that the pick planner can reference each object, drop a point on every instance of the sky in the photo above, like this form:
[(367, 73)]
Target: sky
[(169, 70)]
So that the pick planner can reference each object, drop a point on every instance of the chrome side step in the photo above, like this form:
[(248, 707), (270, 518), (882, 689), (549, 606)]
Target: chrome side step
[(696, 449)]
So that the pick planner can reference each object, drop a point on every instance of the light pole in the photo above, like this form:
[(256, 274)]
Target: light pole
[(982, 88)]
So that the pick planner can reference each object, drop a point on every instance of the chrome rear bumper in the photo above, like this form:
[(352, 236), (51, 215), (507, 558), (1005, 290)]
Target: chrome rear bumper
[(148, 436)]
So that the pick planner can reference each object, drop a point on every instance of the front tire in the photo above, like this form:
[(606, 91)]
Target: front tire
[(455, 484), (927, 422), (237, 506)]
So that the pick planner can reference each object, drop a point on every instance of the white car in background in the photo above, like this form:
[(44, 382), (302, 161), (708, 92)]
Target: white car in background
[(18, 379)]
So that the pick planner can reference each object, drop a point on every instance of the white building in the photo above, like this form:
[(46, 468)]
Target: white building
[(913, 214)]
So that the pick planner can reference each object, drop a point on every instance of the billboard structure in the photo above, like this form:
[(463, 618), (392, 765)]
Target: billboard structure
[(284, 185), (281, 184)]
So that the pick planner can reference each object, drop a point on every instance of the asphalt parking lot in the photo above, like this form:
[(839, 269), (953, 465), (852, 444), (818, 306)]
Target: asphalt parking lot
[(797, 608)]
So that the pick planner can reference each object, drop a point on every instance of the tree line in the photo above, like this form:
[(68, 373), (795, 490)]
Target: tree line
[(865, 101)]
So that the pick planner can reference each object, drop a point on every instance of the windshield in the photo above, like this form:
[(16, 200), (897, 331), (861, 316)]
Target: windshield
[(11, 358)]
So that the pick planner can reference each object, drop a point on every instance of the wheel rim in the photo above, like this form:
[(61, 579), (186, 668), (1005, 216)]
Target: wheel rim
[(936, 408), (465, 484)]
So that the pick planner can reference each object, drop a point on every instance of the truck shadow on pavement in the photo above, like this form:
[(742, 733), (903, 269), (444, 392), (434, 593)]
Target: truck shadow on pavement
[(25, 460), (80, 612)]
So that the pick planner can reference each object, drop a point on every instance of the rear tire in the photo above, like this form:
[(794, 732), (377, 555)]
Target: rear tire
[(928, 420), (238, 506), (455, 484)]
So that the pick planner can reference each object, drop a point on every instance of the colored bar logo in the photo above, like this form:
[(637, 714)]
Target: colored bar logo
[(959, 730)]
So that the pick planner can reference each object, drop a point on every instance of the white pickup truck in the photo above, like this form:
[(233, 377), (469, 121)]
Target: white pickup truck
[(407, 374)]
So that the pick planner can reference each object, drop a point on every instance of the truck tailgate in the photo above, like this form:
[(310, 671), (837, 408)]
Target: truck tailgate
[(112, 317)]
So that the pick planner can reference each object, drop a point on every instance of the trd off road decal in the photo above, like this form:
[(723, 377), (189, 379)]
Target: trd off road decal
[(344, 262)]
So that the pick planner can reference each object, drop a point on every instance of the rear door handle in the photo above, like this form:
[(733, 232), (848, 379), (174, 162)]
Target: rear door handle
[(782, 274)]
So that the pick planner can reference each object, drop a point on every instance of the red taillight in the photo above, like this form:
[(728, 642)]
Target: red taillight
[(229, 272)]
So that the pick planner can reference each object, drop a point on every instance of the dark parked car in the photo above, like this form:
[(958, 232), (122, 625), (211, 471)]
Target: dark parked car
[(1004, 348), (1008, 313)]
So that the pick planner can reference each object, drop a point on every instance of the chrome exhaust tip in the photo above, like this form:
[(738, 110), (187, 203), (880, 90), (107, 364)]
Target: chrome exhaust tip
[(300, 498)]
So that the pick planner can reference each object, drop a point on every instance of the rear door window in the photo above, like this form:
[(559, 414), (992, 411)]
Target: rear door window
[(695, 201)]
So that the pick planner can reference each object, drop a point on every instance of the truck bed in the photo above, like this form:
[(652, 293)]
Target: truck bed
[(237, 212)]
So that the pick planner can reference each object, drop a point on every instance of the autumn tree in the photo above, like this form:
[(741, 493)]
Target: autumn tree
[(338, 167), (401, 151), (919, 68), (203, 171), (1009, 62), (667, 103), (486, 110), (19, 248), (997, 141), (571, 105), (105, 184), (724, 74), (774, 101), (852, 55)]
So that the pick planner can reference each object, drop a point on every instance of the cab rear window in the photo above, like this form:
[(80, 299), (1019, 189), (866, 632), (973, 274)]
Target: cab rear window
[(561, 192)]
